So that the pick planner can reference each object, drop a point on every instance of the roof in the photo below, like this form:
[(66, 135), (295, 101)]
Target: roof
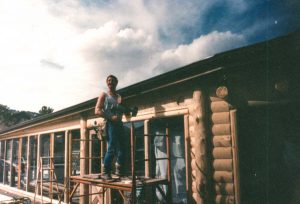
[(226, 61)]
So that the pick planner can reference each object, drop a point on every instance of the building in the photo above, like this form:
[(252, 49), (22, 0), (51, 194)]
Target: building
[(232, 119)]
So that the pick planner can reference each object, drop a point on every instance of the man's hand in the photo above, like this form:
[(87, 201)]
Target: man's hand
[(114, 118)]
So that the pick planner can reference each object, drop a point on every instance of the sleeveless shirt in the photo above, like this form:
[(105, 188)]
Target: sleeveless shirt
[(109, 102)]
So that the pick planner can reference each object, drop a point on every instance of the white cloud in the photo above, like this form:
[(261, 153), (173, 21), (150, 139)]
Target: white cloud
[(58, 53), (200, 48)]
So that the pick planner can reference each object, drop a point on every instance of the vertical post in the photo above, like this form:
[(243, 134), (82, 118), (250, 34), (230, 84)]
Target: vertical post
[(84, 164), (198, 153), (132, 142), (51, 165), (28, 164), (169, 192), (1, 156), (70, 154), (11, 161), (236, 171), (70, 162), (4, 165), (147, 148), (102, 148), (67, 167), (90, 150), (38, 166), (187, 159)]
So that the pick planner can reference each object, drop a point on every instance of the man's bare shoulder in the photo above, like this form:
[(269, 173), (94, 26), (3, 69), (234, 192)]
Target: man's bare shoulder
[(102, 94)]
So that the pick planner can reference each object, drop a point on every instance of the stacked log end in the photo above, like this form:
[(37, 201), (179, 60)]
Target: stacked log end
[(222, 157)]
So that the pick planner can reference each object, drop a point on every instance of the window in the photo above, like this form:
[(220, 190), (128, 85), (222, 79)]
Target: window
[(24, 163), (7, 162), (75, 152), (175, 126), (32, 162), (139, 148), (15, 163), (59, 156), (2, 163), (95, 145)]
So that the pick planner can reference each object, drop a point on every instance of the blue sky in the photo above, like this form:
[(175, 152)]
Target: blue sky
[(59, 52)]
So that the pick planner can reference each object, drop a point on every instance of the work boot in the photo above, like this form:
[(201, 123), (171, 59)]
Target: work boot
[(106, 174), (119, 169)]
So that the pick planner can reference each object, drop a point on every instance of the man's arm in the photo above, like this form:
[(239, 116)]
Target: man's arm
[(100, 104)]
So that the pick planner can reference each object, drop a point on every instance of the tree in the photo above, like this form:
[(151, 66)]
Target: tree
[(45, 110), (9, 117)]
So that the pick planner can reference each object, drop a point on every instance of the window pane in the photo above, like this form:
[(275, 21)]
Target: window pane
[(32, 163), (59, 156), (139, 147), (15, 163), (177, 153), (7, 173), (24, 163), (75, 152), (2, 147), (45, 152), (96, 148)]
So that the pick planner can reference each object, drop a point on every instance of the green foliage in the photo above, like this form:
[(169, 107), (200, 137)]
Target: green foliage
[(45, 110), (9, 117)]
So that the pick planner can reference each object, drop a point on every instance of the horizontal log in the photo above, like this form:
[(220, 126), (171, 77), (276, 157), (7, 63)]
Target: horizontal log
[(215, 98), (224, 188), (223, 176), (221, 129), (222, 164), (222, 153), (219, 106), (222, 141), (220, 118), (224, 199)]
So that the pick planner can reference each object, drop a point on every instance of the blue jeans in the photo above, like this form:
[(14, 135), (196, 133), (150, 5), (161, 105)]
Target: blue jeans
[(116, 147)]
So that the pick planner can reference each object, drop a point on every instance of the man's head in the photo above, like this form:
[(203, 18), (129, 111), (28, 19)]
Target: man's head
[(112, 82)]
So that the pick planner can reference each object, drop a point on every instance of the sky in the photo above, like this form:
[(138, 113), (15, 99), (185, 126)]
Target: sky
[(58, 52)]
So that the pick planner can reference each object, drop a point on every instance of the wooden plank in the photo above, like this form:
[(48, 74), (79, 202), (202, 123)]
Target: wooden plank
[(235, 156), (29, 150), (19, 162), (11, 161), (222, 153), (4, 168), (84, 167), (222, 165), (222, 141), (38, 161), (66, 168), (51, 163), (147, 144), (188, 179), (221, 129), (223, 176)]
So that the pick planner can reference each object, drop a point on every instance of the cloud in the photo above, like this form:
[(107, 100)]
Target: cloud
[(200, 48), (48, 63), (113, 48), (82, 41)]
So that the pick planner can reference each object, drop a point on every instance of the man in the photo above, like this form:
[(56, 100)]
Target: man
[(114, 127)]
